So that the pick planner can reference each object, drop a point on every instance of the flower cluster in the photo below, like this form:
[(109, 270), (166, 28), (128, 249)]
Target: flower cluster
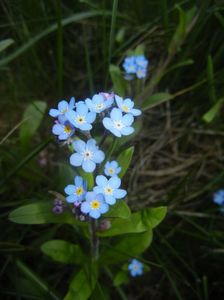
[(136, 65), (112, 114), (135, 268)]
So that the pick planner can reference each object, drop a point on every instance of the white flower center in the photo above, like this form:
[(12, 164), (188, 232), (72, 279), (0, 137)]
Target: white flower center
[(125, 108), (135, 267), (99, 105), (87, 154), (118, 124), (80, 119), (108, 190)]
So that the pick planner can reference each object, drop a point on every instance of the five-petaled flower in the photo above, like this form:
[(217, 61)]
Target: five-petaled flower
[(126, 105), (135, 268), (137, 65), (81, 118), (112, 168), (63, 130), (98, 103), (109, 188), (94, 205), (63, 108), (76, 192), (118, 124), (87, 155)]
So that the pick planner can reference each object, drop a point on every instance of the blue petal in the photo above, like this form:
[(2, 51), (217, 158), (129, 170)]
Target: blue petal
[(88, 166), (110, 200), (63, 105), (82, 109), (91, 144), (69, 189), (90, 117), (118, 100), (76, 159), (90, 196), (116, 114), (85, 126), (57, 129), (101, 180), (98, 156), (54, 112), (136, 112), (85, 207), (94, 214), (63, 136), (107, 123), (98, 190), (79, 146), (129, 103), (104, 208), (127, 119), (71, 198), (115, 131), (127, 130), (78, 181), (71, 115), (72, 103), (114, 182), (119, 193), (89, 104)]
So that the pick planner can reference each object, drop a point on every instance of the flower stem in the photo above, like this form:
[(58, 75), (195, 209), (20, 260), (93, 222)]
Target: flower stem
[(94, 240)]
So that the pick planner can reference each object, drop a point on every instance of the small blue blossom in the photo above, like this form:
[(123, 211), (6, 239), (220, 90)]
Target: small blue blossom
[(87, 155), (76, 193), (141, 61), (63, 108), (127, 105), (94, 205), (130, 65), (141, 73), (108, 97), (135, 268), (109, 188), (112, 168), (118, 124), (98, 103), (81, 118), (218, 197), (63, 131)]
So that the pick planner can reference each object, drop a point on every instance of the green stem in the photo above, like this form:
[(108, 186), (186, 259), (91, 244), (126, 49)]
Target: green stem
[(94, 240)]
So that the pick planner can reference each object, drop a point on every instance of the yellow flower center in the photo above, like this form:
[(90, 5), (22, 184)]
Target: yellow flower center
[(80, 119), (79, 191), (95, 204), (108, 190), (125, 108), (67, 129), (111, 170)]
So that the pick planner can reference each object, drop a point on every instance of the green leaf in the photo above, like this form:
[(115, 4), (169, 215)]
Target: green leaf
[(40, 213), (119, 83), (88, 177), (129, 246), (141, 221), (151, 217), (124, 160), (121, 278), (5, 44), (156, 99), (139, 50), (82, 284), (62, 251), (210, 115), (33, 116), (65, 175), (119, 210)]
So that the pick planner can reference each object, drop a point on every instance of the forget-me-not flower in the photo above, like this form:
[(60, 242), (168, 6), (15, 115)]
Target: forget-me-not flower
[(135, 268), (126, 105), (130, 65), (109, 188), (63, 108), (137, 65), (141, 61), (81, 118), (118, 124), (94, 205), (218, 197), (77, 191), (63, 130), (87, 155), (112, 168), (98, 103)]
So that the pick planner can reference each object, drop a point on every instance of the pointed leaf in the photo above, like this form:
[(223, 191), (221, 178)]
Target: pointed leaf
[(156, 99), (119, 210), (124, 160)]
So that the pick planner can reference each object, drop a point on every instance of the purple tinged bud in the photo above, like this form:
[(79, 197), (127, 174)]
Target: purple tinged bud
[(57, 210)]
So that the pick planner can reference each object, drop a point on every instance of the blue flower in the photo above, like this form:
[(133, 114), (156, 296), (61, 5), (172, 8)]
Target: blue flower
[(87, 156), (112, 168), (135, 268), (130, 65), (118, 124), (64, 131), (218, 197), (81, 118), (63, 107), (127, 105), (109, 188), (108, 97), (98, 103), (94, 205), (141, 61), (141, 73), (76, 193)]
